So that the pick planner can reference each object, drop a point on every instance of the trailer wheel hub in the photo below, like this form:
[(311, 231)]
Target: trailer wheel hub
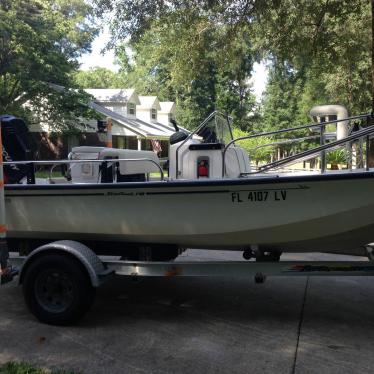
[(54, 291)]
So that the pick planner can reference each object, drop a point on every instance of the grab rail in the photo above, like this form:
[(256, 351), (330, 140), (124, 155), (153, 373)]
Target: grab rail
[(321, 126), (64, 162), (357, 135)]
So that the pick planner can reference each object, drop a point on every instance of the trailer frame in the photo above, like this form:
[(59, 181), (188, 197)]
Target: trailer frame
[(91, 271)]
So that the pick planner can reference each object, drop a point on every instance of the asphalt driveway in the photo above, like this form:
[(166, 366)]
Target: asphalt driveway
[(205, 325)]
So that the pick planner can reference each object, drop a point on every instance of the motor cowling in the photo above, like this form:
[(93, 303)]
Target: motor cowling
[(178, 137), (16, 147)]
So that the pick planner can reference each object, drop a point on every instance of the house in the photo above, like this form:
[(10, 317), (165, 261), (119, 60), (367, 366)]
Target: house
[(150, 111), (134, 119), (166, 112), (122, 101), (148, 108)]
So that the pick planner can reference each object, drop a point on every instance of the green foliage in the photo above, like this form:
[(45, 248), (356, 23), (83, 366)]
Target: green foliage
[(60, 107), (323, 57), (282, 107), (40, 42), (259, 148), (25, 368), (184, 58), (200, 53), (329, 43), (98, 77), (338, 156)]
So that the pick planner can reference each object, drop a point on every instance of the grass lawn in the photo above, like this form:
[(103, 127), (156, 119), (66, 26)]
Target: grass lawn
[(25, 368), (157, 175), (57, 174), (45, 174)]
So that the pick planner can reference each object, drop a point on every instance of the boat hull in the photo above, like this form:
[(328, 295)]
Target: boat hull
[(331, 213)]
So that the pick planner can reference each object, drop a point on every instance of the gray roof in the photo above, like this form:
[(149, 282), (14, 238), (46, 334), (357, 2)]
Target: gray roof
[(134, 125), (149, 102), (167, 106), (113, 95)]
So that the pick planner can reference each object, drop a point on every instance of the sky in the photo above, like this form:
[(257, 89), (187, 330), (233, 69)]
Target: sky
[(259, 79), (95, 58)]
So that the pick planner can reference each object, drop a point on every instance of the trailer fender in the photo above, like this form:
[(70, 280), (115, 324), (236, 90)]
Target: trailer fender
[(86, 257)]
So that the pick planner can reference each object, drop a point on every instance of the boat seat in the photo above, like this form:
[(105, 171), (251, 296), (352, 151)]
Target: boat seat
[(132, 167)]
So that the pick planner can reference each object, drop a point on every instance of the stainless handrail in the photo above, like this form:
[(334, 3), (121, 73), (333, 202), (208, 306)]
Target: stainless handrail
[(282, 131), (64, 162), (357, 135)]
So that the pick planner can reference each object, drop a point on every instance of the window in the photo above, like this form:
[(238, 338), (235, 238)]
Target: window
[(121, 109), (154, 114), (131, 109)]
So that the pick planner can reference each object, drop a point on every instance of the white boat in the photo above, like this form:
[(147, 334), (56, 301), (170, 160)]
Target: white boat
[(211, 199)]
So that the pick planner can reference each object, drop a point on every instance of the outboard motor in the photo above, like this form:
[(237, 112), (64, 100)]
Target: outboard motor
[(16, 147)]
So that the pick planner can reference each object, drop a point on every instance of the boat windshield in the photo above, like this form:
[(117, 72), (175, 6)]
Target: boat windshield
[(217, 129)]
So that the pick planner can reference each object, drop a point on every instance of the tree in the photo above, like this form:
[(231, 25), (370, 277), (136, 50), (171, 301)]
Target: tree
[(325, 43), (329, 41), (259, 149), (98, 77), (40, 42), (184, 62), (286, 105), (189, 50)]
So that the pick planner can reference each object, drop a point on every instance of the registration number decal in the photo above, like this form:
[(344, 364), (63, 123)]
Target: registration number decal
[(258, 196)]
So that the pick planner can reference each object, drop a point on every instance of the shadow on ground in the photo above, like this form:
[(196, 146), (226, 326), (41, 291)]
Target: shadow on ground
[(204, 325)]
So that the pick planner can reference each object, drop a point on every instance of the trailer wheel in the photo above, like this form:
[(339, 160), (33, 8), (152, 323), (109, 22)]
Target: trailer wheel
[(57, 289)]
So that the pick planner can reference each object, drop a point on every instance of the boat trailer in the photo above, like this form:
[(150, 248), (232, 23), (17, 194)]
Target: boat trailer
[(59, 279), (241, 269)]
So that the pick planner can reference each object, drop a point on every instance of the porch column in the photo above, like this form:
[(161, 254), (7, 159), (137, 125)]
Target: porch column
[(109, 142)]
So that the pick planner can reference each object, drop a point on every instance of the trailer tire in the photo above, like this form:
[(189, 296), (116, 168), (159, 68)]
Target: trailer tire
[(57, 289)]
